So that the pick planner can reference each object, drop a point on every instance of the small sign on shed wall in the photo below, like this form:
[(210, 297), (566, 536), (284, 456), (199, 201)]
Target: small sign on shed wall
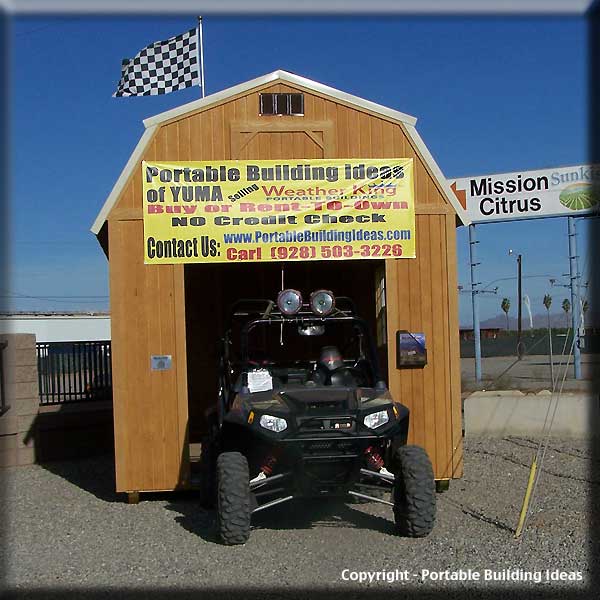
[(160, 362)]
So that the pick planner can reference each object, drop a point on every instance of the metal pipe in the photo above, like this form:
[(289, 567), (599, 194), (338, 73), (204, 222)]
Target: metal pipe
[(201, 55), (267, 492), (359, 495), (527, 498), (475, 300), (575, 308), (272, 503), (388, 478), (261, 482)]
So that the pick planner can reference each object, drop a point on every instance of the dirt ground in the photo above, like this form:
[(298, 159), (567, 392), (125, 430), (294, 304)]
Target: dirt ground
[(531, 373)]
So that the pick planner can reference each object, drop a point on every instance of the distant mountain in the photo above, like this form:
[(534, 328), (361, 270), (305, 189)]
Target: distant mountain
[(539, 320)]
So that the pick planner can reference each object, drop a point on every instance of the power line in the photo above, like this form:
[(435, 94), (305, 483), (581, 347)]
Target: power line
[(55, 243), (61, 301), (506, 279), (19, 295), (46, 297), (63, 298)]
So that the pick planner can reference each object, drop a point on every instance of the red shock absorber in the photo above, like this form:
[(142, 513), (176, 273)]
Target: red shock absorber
[(374, 459), (269, 464)]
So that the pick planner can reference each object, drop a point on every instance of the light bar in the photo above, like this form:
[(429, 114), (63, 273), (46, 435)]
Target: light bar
[(322, 302), (289, 302)]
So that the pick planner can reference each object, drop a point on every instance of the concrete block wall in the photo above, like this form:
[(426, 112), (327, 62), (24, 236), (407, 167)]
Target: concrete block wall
[(501, 413), (30, 433), (21, 394)]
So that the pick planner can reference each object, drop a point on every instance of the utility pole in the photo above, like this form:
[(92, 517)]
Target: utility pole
[(575, 305), (520, 292), (475, 300), (519, 303)]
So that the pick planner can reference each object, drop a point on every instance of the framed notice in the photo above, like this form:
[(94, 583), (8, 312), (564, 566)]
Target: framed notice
[(160, 362), (410, 349)]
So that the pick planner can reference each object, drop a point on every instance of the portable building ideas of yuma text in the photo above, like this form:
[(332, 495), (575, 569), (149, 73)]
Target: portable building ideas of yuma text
[(178, 310)]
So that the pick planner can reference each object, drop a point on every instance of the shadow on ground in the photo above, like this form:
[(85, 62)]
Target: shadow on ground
[(296, 514), (94, 475), (97, 477)]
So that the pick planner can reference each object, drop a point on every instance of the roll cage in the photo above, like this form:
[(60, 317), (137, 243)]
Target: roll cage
[(252, 313)]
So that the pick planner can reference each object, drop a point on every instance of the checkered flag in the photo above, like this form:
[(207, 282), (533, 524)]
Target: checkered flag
[(162, 67)]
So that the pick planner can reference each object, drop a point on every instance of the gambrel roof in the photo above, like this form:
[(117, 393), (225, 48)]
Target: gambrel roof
[(152, 123)]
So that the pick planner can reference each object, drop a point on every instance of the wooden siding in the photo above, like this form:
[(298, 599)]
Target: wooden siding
[(150, 407), (418, 300), (207, 135), (422, 292)]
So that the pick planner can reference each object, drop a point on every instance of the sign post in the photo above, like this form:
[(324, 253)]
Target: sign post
[(475, 300), (520, 305), (575, 297)]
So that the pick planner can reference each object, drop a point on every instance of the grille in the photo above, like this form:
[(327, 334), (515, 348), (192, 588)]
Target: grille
[(330, 447), (335, 424), (314, 446)]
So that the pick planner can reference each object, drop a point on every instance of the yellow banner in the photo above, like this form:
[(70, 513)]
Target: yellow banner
[(276, 210)]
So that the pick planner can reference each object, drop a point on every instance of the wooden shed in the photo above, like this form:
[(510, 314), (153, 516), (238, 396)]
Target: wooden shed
[(178, 310)]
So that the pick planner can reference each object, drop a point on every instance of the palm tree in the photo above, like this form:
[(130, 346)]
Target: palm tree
[(505, 306), (566, 306), (548, 304)]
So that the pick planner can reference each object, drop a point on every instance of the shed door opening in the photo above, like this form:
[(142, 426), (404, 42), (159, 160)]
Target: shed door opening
[(211, 289)]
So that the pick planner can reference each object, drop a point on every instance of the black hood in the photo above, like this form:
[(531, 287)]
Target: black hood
[(302, 399)]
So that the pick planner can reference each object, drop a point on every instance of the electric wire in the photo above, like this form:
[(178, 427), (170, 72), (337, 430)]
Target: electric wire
[(542, 448), (547, 429), (528, 350), (61, 298), (529, 502)]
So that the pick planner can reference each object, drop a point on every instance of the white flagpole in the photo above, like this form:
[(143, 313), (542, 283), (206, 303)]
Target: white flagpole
[(201, 55)]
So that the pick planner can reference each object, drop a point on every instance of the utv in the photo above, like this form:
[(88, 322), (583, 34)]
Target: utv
[(304, 412)]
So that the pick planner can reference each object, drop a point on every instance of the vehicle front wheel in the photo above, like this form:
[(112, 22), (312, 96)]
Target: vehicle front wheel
[(233, 498), (414, 492)]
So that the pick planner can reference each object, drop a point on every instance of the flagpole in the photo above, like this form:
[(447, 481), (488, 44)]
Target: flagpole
[(201, 55)]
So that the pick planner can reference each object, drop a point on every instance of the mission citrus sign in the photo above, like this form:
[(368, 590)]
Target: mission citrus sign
[(560, 192)]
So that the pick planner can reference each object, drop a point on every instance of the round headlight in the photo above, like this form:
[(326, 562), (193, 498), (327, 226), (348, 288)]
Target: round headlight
[(322, 302), (289, 301)]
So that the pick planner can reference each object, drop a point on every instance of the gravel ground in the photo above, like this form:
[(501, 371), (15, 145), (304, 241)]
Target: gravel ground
[(66, 528)]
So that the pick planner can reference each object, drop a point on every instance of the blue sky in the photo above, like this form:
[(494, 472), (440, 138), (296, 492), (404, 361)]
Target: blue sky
[(491, 95)]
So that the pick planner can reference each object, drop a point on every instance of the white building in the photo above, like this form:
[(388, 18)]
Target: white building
[(57, 327)]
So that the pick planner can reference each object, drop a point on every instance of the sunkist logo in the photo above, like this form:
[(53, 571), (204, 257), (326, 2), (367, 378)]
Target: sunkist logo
[(579, 196)]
